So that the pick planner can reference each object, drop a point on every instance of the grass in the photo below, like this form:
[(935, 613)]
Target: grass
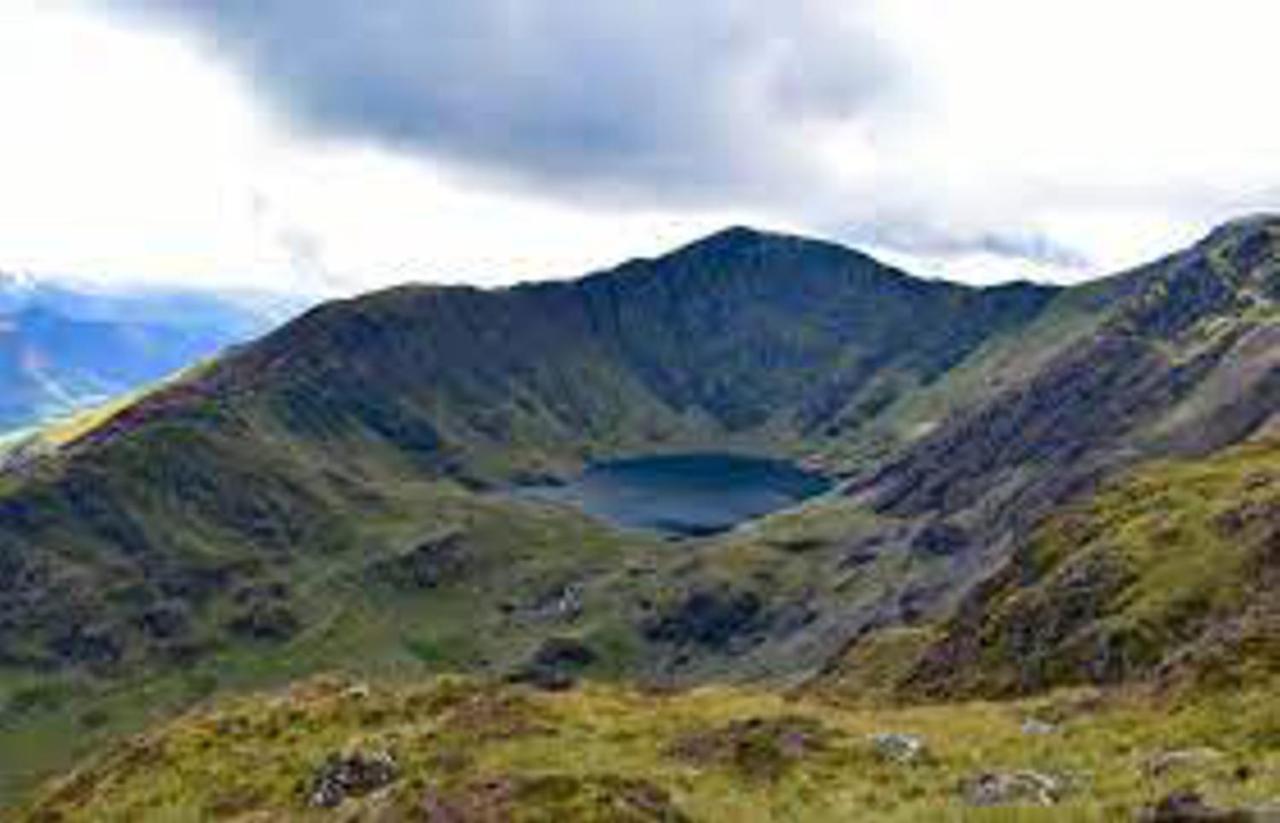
[(716, 753), (1170, 572), (516, 552)]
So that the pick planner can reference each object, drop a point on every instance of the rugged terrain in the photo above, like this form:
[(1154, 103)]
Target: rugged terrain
[(1039, 491)]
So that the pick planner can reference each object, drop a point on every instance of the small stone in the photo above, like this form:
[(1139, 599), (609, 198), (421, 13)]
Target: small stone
[(1032, 726), (1012, 788), (898, 747)]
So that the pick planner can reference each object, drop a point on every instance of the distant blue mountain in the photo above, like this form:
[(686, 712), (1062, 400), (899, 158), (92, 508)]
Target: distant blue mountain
[(63, 348)]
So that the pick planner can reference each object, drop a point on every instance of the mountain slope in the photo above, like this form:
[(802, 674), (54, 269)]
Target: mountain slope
[(762, 338), (1172, 574), (1182, 363)]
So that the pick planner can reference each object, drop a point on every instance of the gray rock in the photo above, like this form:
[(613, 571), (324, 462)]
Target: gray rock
[(1165, 763), (1012, 789), (351, 775), (1032, 726), (899, 748)]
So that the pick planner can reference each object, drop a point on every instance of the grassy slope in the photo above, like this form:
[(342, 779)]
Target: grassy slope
[(1170, 573), (352, 600), (488, 615), (603, 753)]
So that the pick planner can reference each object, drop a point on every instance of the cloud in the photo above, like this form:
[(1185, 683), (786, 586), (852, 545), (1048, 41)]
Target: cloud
[(698, 101), (980, 140), (1031, 247)]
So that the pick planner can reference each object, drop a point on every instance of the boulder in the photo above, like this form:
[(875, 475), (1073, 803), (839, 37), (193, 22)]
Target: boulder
[(350, 775), (899, 748), (1165, 763)]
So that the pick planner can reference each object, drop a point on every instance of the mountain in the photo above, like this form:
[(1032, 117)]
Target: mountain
[(744, 336), (269, 456), (332, 495), (62, 349)]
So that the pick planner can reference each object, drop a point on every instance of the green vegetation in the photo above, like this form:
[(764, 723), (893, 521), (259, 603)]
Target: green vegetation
[(1171, 573), (484, 752)]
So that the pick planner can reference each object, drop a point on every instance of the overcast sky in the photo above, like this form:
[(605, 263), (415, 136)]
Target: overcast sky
[(338, 145)]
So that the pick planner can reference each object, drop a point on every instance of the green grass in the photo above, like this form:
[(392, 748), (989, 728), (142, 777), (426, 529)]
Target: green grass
[(1168, 573), (711, 754)]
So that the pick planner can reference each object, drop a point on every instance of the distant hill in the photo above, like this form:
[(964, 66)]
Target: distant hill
[(62, 349)]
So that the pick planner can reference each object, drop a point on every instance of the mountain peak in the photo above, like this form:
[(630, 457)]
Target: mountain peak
[(738, 234), (730, 239), (737, 241)]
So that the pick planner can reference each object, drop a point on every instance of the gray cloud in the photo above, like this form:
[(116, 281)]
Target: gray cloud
[(696, 100), (695, 103), (922, 234)]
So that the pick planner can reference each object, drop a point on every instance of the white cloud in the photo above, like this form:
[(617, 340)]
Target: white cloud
[(1117, 128), (1013, 137), (126, 156)]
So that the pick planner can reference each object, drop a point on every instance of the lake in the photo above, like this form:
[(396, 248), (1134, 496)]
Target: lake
[(684, 495)]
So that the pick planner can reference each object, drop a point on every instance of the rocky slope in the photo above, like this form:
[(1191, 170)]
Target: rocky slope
[(1170, 576), (1182, 363)]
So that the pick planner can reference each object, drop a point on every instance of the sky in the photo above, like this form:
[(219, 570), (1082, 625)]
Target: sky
[(332, 146)]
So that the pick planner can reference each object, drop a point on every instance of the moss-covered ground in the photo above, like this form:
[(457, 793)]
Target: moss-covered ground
[(493, 752)]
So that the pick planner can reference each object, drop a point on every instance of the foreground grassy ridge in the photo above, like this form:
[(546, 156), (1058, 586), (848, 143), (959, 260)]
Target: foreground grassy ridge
[(495, 752), (1170, 573)]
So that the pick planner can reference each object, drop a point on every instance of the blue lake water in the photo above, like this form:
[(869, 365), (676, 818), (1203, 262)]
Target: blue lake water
[(686, 494)]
